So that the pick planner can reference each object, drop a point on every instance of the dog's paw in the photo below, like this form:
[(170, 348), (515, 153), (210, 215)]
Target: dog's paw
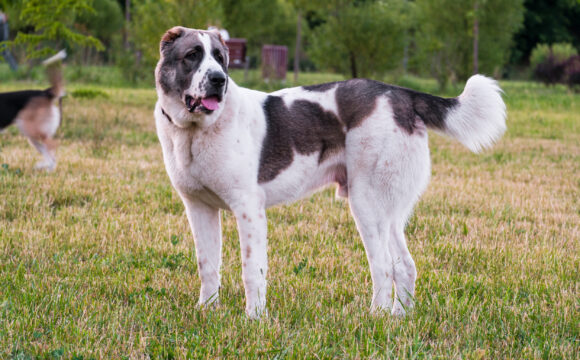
[(400, 310), (46, 166), (381, 309), (257, 313), (210, 303)]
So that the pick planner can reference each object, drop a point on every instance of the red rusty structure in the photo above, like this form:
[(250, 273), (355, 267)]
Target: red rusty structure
[(237, 51), (274, 62)]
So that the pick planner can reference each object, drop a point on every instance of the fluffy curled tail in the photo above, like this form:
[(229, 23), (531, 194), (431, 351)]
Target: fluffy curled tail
[(54, 72), (478, 118)]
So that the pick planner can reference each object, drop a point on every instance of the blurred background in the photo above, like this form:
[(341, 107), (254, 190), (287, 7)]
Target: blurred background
[(116, 42)]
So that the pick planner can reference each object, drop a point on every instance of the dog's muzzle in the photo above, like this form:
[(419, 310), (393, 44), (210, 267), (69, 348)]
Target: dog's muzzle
[(214, 94)]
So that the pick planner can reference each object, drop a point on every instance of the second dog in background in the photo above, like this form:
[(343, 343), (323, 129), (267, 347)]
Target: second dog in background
[(37, 113)]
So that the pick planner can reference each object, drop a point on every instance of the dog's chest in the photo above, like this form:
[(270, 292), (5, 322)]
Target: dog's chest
[(206, 165)]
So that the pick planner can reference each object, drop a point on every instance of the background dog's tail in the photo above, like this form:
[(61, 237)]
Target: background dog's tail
[(54, 71), (476, 118)]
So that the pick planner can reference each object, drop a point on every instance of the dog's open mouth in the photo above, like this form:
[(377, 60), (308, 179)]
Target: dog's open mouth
[(206, 105)]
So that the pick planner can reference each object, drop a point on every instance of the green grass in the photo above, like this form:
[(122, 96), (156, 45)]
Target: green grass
[(97, 260)]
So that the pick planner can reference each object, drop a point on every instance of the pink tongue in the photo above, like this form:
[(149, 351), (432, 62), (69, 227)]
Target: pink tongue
[(210, 103)]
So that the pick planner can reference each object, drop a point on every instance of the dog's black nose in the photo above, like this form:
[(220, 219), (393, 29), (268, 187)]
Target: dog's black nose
[(217, 78)]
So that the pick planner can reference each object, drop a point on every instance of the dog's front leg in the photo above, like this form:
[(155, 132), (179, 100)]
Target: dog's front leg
[(206, 227), (252, 228)]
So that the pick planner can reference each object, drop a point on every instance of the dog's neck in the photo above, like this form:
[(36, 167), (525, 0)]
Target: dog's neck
[(167, 116)]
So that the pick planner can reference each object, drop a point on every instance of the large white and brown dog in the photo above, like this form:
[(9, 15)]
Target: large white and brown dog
[(227, 147)]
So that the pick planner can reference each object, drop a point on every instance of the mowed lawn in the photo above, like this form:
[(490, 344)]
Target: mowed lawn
[(97, 260)]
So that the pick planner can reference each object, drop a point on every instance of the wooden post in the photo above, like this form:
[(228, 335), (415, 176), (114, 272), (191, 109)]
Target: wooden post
[(127, 20)]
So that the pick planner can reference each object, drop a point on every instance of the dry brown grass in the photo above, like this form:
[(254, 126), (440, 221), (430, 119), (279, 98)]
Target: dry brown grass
[(96, 258)]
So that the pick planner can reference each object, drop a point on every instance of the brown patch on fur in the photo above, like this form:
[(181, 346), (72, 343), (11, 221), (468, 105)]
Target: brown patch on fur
[(248, 251), (201, 264), (341, 178), (36, 114), (304, 127), (170, 36), (357, 100), (219, 35)]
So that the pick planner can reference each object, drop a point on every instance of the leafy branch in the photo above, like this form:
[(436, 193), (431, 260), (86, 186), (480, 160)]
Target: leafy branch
[(54, 26)]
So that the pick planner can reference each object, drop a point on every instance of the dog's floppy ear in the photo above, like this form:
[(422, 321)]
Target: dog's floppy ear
[(219, 35), (169, 37)]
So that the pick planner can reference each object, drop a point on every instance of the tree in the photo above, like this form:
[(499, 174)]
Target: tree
[(445, 39), (151, 18), (361, 38), (547, 22), (105, 24), (54, 31), (260, 22), (301, 7)]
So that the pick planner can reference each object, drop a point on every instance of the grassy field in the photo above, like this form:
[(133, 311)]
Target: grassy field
[(97, 260)]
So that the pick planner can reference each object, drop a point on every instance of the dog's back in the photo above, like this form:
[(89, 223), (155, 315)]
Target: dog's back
[(11, 103)]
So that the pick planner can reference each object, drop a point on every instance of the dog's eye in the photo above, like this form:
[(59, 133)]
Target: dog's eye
[(194, 54), (218, 56)]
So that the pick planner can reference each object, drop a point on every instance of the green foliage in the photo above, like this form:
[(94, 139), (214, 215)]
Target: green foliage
[(87, 93), (445, 35), (151, 18), (361, 39), (547, 22), (56, 30), (104, 22), (259, 22), (563, 51), (539, 54), (560, 51)]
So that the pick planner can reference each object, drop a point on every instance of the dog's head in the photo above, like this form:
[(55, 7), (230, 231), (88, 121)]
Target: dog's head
[(193, 72)]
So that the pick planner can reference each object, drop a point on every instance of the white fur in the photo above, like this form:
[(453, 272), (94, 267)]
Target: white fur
[(324, 99), (213, 163), (479, 121), (61, 55)]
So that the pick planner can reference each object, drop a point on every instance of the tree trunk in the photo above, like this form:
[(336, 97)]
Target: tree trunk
[(127, 20), (297, 48), (353, 71), (475, 38)]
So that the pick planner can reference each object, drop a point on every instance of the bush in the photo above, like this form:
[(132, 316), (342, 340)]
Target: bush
[(563, 51), (560, 51), (86, 93), (539, 55), (550, 71), (572, 73), (559, 63)]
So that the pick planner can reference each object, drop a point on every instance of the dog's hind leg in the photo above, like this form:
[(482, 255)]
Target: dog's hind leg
[(405, 272), (374, 229), (388, 170), (47, 149)]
